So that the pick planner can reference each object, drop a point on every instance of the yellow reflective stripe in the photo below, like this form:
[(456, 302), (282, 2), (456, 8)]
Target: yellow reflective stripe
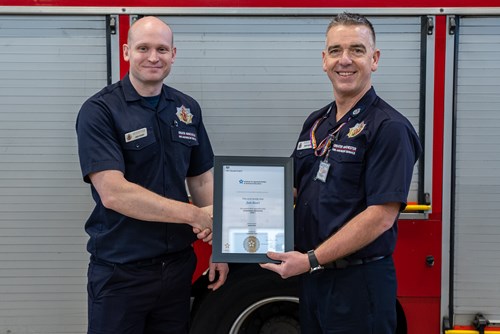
[(417, 207), (468, 331)]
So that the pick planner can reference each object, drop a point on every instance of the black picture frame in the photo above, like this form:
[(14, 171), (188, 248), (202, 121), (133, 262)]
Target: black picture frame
[(223, 165)]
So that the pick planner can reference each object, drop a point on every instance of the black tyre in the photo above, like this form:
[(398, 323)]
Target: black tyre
[(252, 301)]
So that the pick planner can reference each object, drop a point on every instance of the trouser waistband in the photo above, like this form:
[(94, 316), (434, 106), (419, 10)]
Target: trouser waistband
[(146, 262), (344, 263)]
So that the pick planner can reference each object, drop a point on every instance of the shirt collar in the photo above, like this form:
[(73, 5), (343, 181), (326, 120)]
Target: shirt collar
[(131, 94), (358, 109)]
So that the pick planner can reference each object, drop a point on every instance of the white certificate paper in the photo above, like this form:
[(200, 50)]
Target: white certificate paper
[(253, 209)]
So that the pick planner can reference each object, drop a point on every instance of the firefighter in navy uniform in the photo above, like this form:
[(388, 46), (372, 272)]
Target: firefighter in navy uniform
[(139, 141), (353, 165)]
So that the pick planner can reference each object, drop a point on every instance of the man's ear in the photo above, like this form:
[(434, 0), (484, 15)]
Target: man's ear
[(126, 55), (376, 58), (174, 53), (323, 58)]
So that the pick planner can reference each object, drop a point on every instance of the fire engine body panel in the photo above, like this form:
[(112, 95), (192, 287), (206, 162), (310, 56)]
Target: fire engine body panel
[(255, 68)]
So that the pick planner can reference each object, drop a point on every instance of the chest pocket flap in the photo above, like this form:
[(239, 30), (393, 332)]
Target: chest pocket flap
[(138, 139), (186, 135)]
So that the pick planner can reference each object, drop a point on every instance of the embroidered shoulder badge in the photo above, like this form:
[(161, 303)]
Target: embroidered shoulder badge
[(184, 115), (356, 130)]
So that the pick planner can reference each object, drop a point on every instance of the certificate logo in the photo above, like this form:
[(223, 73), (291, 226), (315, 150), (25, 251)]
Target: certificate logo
[(251, 244), (251, 182)]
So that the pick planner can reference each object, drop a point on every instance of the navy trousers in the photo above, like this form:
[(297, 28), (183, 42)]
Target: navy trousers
[(356, 299), (148, 297)]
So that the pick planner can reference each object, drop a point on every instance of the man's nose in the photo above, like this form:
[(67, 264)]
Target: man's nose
[(153, 56), (345, 58)]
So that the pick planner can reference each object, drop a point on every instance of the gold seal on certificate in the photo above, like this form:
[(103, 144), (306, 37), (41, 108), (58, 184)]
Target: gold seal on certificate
[(253, 208), (251, 244)]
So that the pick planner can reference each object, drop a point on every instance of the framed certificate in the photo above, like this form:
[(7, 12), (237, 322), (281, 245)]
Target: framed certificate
[(253, 208)]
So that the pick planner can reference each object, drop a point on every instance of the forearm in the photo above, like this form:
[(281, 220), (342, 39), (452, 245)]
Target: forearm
[(358, 232), (201, 188), (140, 203), (134, 201)]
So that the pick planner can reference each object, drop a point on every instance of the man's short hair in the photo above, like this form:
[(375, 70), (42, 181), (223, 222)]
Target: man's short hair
[(351, 19)]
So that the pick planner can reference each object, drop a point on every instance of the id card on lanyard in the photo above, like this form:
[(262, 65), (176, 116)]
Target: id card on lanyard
[(324, 167), (324, 147)]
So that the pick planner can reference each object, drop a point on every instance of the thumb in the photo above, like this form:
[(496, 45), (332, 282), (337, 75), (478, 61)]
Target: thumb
[(276, 256), (211, 273)]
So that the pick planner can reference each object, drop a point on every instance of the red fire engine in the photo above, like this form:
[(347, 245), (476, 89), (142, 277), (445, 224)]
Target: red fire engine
[(441, 72)]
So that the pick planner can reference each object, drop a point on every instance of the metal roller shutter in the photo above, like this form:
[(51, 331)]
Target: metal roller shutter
[(477, 194), (48, 66), (257, 78)]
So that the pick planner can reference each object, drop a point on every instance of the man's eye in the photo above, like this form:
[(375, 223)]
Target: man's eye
[(335, 52), (358, 51)]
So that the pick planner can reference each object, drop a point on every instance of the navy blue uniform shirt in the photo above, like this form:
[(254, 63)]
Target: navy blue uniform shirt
[(371, 163), (155, 148)]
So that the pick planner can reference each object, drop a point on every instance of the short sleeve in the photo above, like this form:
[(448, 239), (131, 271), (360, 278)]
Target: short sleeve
[(98, 147), (391, 162), (202, 155)]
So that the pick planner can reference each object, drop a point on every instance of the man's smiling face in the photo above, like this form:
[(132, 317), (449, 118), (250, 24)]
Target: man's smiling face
[(349, 59)]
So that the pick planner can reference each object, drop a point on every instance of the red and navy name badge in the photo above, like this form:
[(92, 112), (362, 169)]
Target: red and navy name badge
[(184, 115)]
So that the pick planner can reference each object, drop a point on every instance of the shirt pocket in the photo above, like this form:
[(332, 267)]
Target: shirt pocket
[(185, 135), (138, 144), (346, 170), (304, 161), (140, 150)]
